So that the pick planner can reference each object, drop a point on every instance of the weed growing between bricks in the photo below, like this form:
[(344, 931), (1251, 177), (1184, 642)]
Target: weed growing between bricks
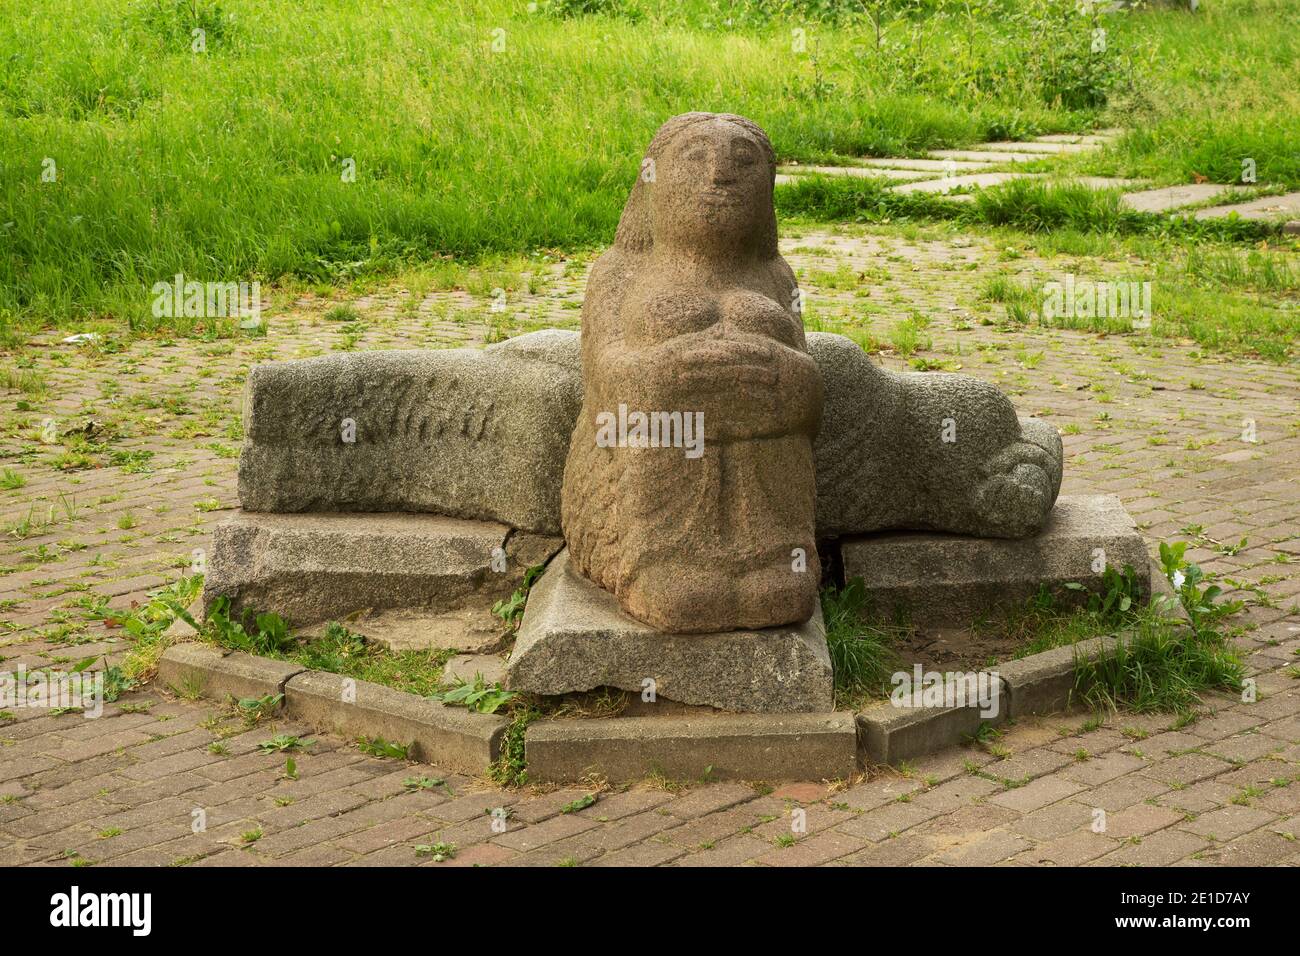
[(1165, 665)]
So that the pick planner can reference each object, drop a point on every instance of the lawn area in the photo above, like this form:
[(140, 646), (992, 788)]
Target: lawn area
[(330, 143)]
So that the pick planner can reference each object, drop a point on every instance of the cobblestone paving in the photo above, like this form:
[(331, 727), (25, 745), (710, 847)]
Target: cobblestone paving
[(106, 517)]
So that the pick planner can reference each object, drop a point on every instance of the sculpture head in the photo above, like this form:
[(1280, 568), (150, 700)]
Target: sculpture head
[(706, 186)]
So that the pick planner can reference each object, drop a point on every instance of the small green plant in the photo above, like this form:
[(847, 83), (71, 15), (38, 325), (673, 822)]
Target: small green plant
[(345, 312), (253, 709), (423, 783), (1201, 603), (1120, 594), (511, 769), (985, 734), (476, 696), (270, 634), (1161, 668), (379, 747), (281, 743), (511, 610), (439, 851), (581, 803)]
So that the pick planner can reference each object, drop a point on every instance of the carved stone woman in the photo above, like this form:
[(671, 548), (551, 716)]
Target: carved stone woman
[(694, 311)]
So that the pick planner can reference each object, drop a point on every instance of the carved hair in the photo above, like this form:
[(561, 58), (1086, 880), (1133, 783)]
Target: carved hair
[(634, 233)]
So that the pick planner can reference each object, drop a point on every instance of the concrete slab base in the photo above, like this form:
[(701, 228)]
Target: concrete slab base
[(973, 180), (574, 637), (450, 737), (928, 165), (1175, 197), (863, 172), (470, 667), (319, 567), (473, 630), (985, 156), (204, 671), (736, 747), (1266, 208), (945, 579)]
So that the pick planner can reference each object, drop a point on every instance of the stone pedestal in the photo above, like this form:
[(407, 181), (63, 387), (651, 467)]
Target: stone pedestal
[(945, 579), (575, 638), (311, 568)]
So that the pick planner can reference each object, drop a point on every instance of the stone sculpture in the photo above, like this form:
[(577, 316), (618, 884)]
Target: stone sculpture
[(690, 320), (692, 314), (921, 451), (880, 457)]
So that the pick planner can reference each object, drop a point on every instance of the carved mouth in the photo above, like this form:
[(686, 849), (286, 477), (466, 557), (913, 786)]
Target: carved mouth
[(724, 375), (720, 197)]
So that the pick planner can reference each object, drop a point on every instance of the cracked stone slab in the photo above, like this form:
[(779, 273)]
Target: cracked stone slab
[(974, 180), (473, 630), (1098, 139), (319, 567), (1175, 197), (987, 156), (1265, 208), (574, 637), (928, 165), (862, 172), (954, 579), (470, 667), (1050, 148)]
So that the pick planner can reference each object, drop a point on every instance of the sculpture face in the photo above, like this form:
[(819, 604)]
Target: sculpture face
[(712, 189), (689, 315)]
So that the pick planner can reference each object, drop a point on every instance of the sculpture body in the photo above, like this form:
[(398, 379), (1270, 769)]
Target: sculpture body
[(692, 314)]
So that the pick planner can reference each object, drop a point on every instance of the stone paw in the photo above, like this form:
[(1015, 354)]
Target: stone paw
[(1017, 495)]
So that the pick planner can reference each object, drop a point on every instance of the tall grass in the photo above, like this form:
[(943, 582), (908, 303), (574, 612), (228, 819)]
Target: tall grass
[(861, 648), (1161, 668), (479, 128)]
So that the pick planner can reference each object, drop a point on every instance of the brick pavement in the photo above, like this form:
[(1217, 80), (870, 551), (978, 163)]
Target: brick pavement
[(1156, 422)]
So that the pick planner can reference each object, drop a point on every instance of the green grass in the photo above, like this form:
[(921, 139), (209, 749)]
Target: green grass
[(1161, 668), (229, 163), (861, 647), (1223, 297), (341, 651)]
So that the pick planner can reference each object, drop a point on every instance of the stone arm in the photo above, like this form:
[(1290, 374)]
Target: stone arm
[(747, 386)]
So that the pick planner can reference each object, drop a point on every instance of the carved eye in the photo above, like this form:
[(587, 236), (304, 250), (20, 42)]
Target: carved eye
[(743, 152)]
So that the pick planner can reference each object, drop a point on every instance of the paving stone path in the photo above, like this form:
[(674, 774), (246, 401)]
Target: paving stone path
[(1154, 421), (959, 173)]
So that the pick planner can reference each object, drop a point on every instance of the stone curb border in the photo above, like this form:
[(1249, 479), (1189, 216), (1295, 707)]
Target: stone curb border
[(451, 737), (724, 746), (1039, 684)]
